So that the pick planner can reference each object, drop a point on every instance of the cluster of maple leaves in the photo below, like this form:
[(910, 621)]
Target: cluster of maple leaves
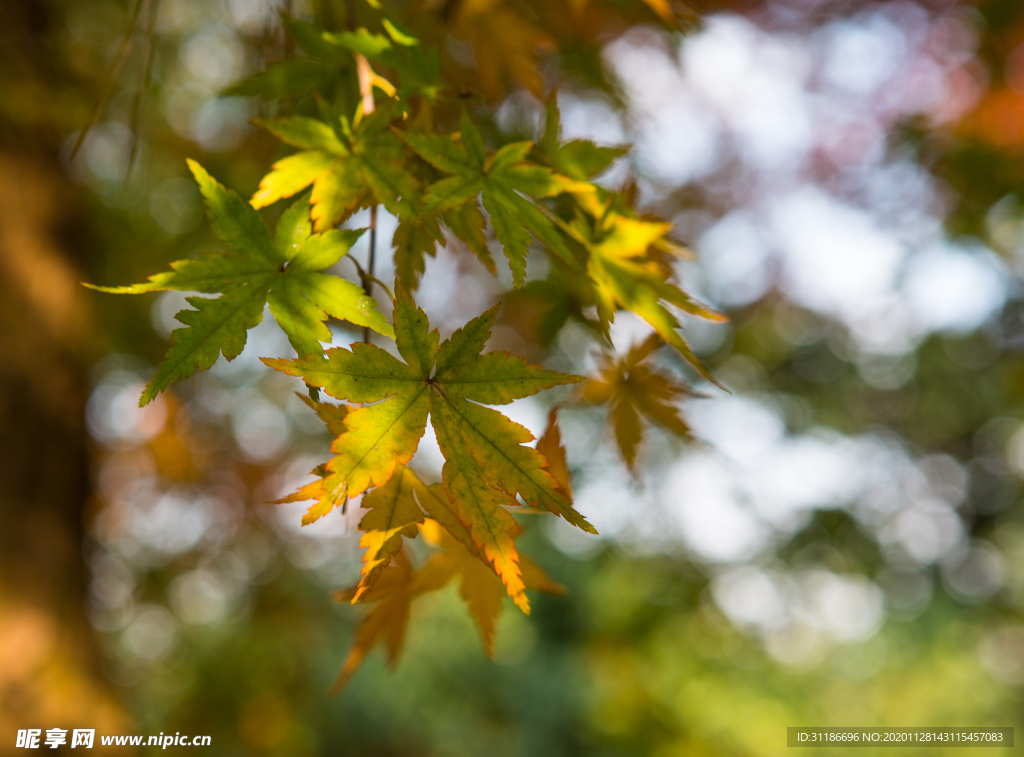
[(439, 184)]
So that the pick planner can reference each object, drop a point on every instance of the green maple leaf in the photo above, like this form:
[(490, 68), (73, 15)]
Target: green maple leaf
[(349, 167), (578, 158), (486, 465), (323, 69), (415, 238), (504, 180), (283, 272)]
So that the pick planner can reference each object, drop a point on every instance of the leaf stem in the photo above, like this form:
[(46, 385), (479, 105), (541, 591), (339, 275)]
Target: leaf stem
[(368, 276)]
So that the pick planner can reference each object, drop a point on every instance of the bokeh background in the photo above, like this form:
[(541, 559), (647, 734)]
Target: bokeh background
[(842, 543)]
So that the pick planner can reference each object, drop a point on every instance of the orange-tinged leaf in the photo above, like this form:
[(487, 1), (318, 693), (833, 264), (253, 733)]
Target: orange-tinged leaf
[(550, 445), (487, 465), (535, 578), (333, 416), (398, 584), (386, 623), (483, 593), (478, 586), (393, 513), (481, 506), (442, 510), (626, 423)]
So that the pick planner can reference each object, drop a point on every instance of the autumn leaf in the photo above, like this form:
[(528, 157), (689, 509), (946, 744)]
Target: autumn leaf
[(414, 240), (479, 587), (632, 389), (504, 44), (398, 584), (333, 416), (284, 272), (501, 179), (486, 465), (393, 513), (626, 271), (349, 167), (384, 624), (550, 445)]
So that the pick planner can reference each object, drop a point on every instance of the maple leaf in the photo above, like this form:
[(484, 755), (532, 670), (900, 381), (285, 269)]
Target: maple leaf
[(579, 159), (414, 239), (387, 622), (296, 77), (284, 272), (396, 584), (504, 43), (349, 167), (486, 465), (626, 271), (393, 513), (542, 308), (550, 445), (632, 389), (333, 416), (418, 237), (501, 179)]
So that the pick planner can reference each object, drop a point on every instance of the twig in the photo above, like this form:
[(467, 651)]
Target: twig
[(365, 74), (152, 6), (368, 277), (111, 77)]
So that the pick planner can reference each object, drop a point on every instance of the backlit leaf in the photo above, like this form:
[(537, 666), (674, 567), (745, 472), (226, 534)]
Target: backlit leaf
[(286, 275), (501, 179), (397, 584), (486, 466), (631, 389), (348, 168)]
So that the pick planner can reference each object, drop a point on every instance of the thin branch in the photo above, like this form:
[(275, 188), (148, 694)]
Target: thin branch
[(152, 7), (368, 278), (111, 77), (365, 74), (289, 43)]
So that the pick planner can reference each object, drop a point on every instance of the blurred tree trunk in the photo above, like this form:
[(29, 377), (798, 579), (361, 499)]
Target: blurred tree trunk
[(49, 672), (49, 665)]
